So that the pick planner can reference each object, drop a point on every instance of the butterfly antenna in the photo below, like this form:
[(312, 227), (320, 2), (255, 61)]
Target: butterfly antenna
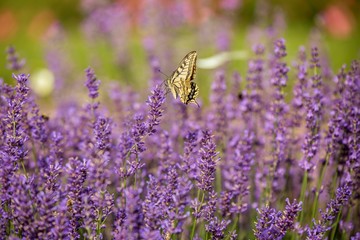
[(162, 73), (197, 103), (163, 82)]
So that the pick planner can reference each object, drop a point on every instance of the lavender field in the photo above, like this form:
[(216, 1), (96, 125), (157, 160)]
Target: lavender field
[(272, 151)]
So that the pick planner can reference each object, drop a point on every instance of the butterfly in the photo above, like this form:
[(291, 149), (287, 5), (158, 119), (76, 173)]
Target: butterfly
[(181, 81)]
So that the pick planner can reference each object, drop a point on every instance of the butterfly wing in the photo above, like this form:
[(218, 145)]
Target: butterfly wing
[(179, 82), (192, 94)]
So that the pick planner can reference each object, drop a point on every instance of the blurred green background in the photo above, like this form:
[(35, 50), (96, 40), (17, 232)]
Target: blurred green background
[(39, 28)]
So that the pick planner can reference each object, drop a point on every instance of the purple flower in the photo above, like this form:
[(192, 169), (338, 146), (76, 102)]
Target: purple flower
[(315, 61), (209, 208), (225, 201), (280, 49), (265, 223), (62, 227), (164, 152), (155, 67), (333, 208), (102, 129), (37, 122), (50, 176), (153, 206), (356, 236), (342, 126), (138, 132), (313, 116), (189, 157), (155, 101), (13, 150), (77, 192), (97, 201), (132, 219), (223, 38), (180, 195), (279, 76), (252, 97), (165, 203), (353, 160), (277, 118), (47, 206), (124, 146), (120, 217), (207, 162), (4, 220), (57, 60), (140, 129), (14, 63), (236, 176), (217, 228), (288, 218), (233, 98), (92, 83), (274, 225), (23, 206), (217, 118), (300, 93)]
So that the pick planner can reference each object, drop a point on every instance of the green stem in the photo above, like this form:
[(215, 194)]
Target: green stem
[(207, 235), (194, 223), (125, 170), (275, 149), (24, 169), (344, 234), (303, 192), (99, 222), (218, 179), (234, 225), (174, 223), (237, 223), (319, 183), (14, 126), (302, 199), (218, 182), (336, 224), (137, 160)]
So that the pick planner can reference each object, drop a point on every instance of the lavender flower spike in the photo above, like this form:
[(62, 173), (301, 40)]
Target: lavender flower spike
[(333, 208), (274, 225), (102, 128), (155, 101), (131, 226), (14, 63), (287, 221), (92, 83), (265, 222), (207, 163), (314, 107)]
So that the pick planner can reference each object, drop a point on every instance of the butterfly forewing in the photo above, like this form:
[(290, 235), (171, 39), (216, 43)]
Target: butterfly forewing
[(184, 72), (186, 69), (180, 82)]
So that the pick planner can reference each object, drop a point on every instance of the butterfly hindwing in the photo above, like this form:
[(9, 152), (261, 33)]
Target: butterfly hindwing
[(181, 81), (193, 92)]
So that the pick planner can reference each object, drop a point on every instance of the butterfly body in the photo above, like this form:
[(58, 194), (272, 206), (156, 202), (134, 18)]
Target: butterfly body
[(181, 82)]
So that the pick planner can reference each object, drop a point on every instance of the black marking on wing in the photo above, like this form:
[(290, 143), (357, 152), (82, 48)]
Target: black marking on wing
[(194, 91), (181, 81), (186, 67)]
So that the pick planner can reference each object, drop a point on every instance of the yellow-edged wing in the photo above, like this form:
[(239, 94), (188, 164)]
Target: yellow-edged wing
[(181, 82)]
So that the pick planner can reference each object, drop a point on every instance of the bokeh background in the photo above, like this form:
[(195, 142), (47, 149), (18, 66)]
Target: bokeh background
[(128, 41), (122, 39)]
